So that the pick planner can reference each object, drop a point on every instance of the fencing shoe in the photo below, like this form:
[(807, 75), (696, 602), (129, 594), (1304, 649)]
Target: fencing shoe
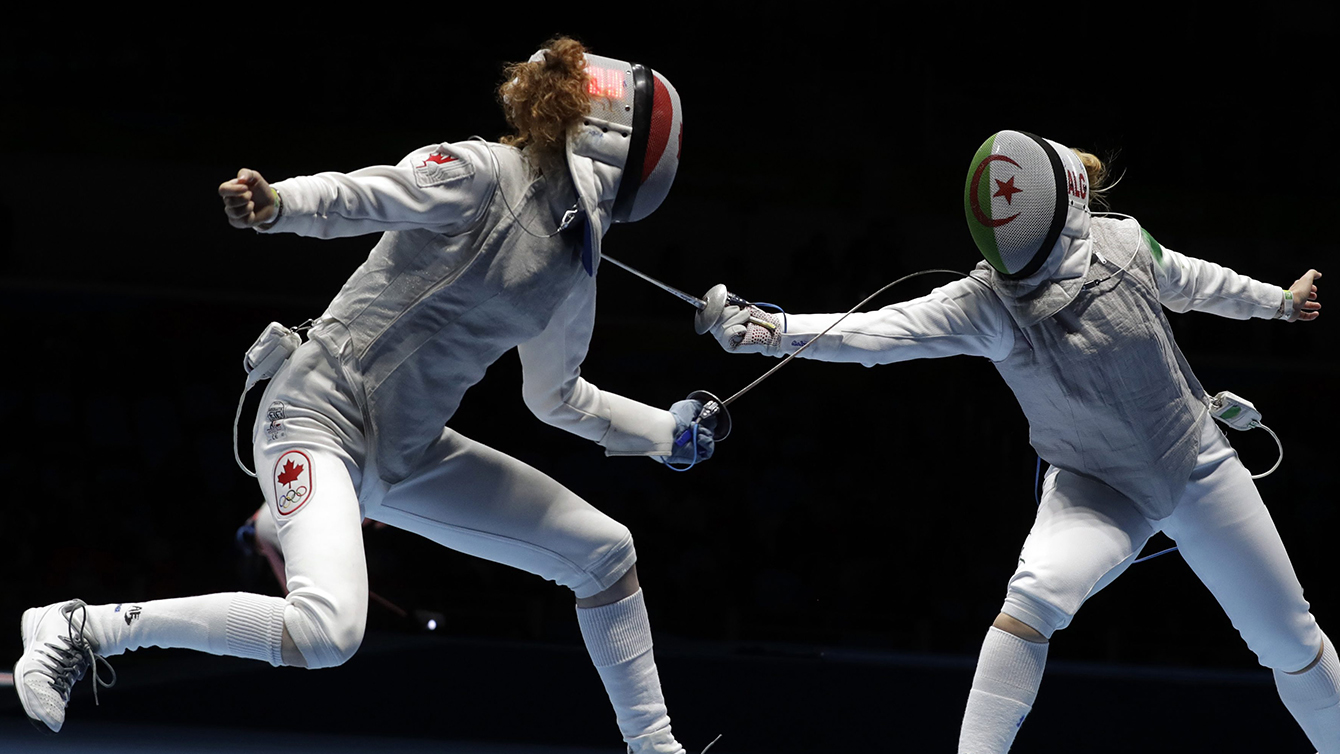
[(56, 653), (660, 742)]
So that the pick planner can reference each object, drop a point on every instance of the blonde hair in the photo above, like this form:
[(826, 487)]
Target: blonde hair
[(1098, 175), (543, 99)]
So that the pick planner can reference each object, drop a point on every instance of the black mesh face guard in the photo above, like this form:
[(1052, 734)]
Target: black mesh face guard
[(643, 94), (624, 155)]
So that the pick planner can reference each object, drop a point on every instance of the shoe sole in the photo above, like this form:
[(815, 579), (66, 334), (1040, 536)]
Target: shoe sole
[(31, 618)]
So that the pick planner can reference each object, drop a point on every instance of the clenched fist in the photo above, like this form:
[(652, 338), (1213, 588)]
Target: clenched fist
[(248, 200)]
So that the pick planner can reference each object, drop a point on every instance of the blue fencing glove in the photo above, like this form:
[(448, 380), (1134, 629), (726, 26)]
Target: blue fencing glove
[(245, 538), (700, 443)]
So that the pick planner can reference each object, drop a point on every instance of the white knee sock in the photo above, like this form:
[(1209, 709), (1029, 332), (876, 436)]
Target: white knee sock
[(1314, 699), (236, 624), (618, 636), (1009, 671)]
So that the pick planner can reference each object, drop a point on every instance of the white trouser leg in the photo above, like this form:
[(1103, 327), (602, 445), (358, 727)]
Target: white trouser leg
[(1225, 533), (303, 462), (476, 500), (326, 606), (322, 545), (307, 464), (1086, 534)]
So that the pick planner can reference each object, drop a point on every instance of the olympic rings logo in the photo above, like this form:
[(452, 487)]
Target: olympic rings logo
[(292, 469)]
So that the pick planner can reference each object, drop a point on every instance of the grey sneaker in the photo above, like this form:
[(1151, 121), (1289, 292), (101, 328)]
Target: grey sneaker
[(56, 653)]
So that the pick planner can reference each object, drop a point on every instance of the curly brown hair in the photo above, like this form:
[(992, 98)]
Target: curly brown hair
[(543, 99)]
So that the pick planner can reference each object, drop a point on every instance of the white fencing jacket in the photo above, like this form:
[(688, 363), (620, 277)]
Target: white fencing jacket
[(1083, 344), (462, 274)]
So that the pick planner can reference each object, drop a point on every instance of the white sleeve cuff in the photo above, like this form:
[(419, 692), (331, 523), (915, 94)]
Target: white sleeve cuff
[(637, 429)]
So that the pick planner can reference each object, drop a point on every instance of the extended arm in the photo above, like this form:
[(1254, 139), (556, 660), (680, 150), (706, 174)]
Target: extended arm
[(962, 318), (555, 391), (444, 188), (1187, 283)]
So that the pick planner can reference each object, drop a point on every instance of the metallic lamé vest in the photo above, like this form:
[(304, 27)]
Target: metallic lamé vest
[(1107, 392), (422, 319)]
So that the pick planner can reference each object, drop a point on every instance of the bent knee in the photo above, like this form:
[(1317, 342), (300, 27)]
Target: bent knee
[(338, 648), (1034, 614), (606, 565), (1012, 625), (1287, 643), (1289, 655), (326, 632)]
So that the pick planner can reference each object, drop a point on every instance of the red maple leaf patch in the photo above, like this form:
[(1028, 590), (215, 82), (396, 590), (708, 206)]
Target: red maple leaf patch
[(290, 473), (440, 159)]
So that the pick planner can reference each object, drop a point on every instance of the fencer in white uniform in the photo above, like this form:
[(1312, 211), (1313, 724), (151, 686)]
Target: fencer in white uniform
[(1068, 307), (485, 247)]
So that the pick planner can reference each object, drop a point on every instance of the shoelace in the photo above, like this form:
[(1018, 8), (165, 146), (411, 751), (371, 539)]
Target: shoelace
[(66, 665)]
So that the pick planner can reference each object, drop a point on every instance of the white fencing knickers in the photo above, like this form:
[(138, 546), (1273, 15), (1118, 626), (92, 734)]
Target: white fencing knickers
[(1086, 534), (311, 464)]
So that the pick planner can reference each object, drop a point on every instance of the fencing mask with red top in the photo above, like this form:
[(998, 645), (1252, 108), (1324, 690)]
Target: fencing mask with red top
[(623, 155)]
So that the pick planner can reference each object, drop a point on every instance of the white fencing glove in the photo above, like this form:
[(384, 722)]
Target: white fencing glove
[(749, 330)]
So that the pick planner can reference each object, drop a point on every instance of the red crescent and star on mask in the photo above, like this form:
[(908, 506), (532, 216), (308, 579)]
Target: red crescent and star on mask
[(1006, 189)]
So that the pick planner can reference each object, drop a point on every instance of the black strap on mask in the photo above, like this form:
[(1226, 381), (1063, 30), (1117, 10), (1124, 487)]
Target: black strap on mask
[(644, 88), (1058, 214)]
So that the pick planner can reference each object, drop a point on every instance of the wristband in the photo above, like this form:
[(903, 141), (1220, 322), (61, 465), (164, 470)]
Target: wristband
[(1286, 306), (279, 209)]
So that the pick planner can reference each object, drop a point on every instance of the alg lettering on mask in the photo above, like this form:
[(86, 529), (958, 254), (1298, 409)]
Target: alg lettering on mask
[(1078, 185)]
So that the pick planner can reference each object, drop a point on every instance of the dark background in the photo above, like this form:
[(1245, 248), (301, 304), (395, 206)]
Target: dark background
[(864, 510)]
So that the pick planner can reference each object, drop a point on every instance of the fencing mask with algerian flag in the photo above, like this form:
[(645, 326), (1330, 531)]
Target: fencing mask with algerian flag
[(623, 155), (1024, 197)]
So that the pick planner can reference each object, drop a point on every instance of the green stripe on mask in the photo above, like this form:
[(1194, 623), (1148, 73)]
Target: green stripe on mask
[(984, 236)]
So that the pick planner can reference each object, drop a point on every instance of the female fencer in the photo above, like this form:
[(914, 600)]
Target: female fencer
[(1068, 307), (484, 247)]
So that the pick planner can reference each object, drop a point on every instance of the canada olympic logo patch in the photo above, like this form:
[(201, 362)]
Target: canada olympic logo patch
[(293, 481), (438, 168)]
